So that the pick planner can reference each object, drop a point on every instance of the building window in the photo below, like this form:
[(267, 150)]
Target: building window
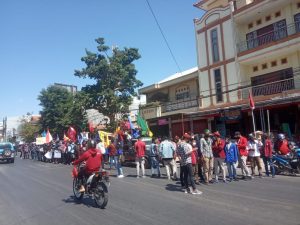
[(182, 93), (258, 22), (297, 22), (274, 63), (255, 68), (214, 44), (218, 82), (250, 25), (278, 14), (284, 61), (264, 66), (268, 18)]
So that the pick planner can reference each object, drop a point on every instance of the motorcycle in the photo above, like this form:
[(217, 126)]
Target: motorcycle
[(96, 186), (287, 164)]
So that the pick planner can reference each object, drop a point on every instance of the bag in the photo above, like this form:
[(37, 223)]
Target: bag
[(122, 158)]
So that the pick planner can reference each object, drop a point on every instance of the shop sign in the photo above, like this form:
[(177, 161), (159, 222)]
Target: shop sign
[(231, 115), (162, 122)]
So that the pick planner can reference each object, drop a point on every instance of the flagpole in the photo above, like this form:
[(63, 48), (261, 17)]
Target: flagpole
[(253, 120)]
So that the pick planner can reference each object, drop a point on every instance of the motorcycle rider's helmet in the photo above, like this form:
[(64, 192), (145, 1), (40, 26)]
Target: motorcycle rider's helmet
[(92, 144), (281, 136), (292, 145)]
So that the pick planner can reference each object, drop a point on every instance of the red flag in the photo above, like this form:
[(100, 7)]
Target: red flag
[(251, 101), (72, 134)]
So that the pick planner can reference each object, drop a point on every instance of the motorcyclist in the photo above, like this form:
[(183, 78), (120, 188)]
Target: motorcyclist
[(282, 145), (92, 158)]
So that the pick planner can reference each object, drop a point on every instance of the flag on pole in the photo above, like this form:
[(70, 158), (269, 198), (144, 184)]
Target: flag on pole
[(251, 101), (48, 137)]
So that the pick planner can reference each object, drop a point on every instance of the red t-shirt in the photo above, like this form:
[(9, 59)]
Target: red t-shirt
[(140, 148), (242, 146), (194, 156), (112, 150), (283, 147), (218, 149), (93, 158)]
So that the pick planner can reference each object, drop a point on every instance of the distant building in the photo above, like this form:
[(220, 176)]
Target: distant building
[(134, 107), (70, 88)]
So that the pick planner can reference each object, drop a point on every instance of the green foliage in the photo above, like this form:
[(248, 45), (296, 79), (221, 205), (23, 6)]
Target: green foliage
[(115, 79), (60, 109), (28, 130)]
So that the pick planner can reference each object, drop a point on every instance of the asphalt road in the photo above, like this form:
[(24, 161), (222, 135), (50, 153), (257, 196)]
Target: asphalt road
[(34, 193)]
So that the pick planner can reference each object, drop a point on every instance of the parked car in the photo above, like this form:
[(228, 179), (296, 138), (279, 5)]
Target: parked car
[(129, 152), (7, 152)]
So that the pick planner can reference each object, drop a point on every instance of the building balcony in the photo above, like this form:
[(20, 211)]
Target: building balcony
[(275, 89), (186, 103), (266, 39)]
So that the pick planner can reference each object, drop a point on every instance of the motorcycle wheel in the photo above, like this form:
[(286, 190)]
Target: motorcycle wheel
[(76, 186), (101, 195)]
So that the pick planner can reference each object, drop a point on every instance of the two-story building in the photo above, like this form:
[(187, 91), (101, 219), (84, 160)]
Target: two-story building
[(249, 45), (169, 103)]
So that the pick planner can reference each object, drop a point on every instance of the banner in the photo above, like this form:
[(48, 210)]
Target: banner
[(40, 140)]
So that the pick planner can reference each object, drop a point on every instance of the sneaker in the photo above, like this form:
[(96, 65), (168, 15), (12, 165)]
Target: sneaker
[(196, 192), (143, 176), (224, 181), (216, 181), (187, 191), (137, 177), (121, 176), (235, 179)]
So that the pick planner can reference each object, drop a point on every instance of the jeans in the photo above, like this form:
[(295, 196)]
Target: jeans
[(231, 166), (113, 161), (182, 175), (267, 162), (155, 168), (219, 163), (119, 165), (140, 161), (188, 176)]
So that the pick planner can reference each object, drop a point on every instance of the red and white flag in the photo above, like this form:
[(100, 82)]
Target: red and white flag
[(251, 101), (48, 137)]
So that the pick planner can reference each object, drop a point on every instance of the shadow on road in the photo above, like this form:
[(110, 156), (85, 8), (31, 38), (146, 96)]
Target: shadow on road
[(89, 202), (173, 187)]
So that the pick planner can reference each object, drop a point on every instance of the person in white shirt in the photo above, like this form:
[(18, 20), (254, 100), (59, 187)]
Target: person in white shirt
[(254, 146)]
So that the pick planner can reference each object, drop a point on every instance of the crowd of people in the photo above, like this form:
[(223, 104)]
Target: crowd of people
[(206, 158)]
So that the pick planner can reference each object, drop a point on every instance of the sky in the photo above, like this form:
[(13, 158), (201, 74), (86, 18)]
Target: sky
[(42, 42)]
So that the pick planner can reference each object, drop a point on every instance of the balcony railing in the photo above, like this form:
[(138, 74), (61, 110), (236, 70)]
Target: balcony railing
[(272, 88), (267, 38), (178, 105)]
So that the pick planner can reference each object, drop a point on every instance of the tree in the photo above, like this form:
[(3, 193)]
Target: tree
[(28, 130), (60, 109), (115, 79)]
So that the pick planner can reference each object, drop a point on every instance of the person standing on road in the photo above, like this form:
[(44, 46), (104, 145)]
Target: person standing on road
[(195, 165), (243, 154), (112, 151), (140, 149), (167, 153), (254, 154), (154, 158), (208, 160), (231, 157), (184, 153), (120, 159), (267, 155), (219, 156)]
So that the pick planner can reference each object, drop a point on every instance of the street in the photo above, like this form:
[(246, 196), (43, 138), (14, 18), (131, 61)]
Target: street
[(35, 193)]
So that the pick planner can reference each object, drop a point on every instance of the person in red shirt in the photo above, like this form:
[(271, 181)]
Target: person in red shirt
[(140, 149), (242, 143), (194, 156), (267, 154), (92, 158), (112, 151), (219, 156), (282, 145)]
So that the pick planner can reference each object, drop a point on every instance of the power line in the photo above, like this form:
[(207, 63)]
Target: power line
[(164, 37)]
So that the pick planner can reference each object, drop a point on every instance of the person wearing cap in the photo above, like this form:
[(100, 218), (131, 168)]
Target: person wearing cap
[(254, 146), (219, 156), (208, 159), (243, 153), (184, 152)]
